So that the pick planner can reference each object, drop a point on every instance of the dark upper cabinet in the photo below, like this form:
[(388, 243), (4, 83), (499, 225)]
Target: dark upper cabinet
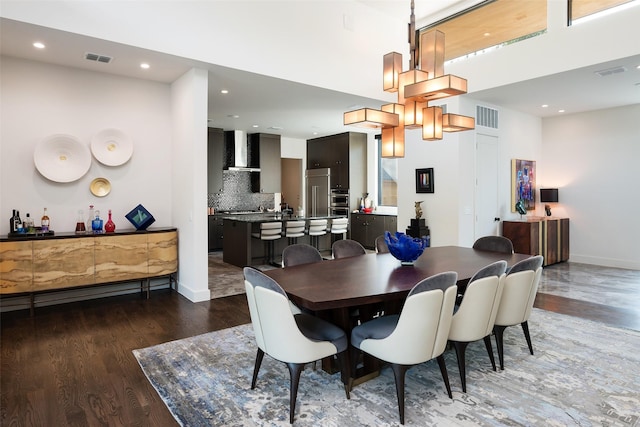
[(346, 155), (264, 151), (215, 160)]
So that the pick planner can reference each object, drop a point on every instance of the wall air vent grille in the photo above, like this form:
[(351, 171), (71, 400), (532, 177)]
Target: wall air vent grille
[(97, 58), (611, 71), (487, 117)]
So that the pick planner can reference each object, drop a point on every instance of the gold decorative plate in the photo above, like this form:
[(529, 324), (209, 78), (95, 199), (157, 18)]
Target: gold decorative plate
[(100, 187)]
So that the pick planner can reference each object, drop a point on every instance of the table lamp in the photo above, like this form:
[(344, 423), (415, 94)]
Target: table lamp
[(548, 195)]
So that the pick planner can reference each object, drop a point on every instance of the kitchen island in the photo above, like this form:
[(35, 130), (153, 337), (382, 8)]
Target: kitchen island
[(241, 249)]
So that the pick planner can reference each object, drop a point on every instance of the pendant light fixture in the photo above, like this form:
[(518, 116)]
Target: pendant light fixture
[(424, 81)]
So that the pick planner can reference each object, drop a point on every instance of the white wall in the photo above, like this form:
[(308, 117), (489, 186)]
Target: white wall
[(592, 158), (39, 100)]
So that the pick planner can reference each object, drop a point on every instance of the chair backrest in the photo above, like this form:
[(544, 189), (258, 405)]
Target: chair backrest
[(294, 228), (423, 326), (300, 253), (347, 248), (494, 244), (275, 327), (270, 230), (381, 245), (339, 225), (317, 227), (519, 293), (477, 312)]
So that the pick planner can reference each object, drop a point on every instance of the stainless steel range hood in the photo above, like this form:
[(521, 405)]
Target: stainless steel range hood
[(238, 154)]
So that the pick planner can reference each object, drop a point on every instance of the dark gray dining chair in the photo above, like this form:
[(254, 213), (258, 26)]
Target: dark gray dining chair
[(294, 339), (381, 245), (418, 334), (476, 314), (347, 248), (518, 295), (300, 253), (494, 244)]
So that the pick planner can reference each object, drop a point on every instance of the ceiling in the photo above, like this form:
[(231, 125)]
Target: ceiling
[(265, 102)]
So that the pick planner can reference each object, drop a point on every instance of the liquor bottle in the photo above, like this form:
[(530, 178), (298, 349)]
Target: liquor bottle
[(18, 223), (110, 226), (28, 224), (12, 222), (80, 227), (44, 222), (96, 224), (90, 217)]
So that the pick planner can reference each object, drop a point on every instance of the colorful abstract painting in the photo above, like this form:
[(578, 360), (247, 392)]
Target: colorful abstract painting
[(523, 183)]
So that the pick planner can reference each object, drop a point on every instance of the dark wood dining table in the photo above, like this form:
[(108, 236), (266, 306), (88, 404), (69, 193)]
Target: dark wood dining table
[(334, 288)]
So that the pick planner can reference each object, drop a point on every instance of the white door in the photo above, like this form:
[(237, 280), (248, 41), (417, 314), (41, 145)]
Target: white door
[(487, 220)]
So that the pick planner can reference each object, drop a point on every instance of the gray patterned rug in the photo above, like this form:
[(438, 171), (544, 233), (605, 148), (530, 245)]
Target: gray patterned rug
[(582, 374)]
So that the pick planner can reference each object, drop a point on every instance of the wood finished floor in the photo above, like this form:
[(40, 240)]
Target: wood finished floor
[(72, 365)]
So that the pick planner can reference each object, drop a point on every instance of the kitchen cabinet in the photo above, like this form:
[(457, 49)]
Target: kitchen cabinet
[(366, 227), (265, 150), (215, 160), (537, 236), (346, 155), (216, 232)]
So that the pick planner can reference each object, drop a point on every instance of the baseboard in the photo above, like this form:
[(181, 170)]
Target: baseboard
[(605, 262)]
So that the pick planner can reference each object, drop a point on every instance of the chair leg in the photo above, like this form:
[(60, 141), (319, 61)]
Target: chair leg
[(460, 348), (343, 359), (487, 343), (445, 375), (525, 329), (499, 333), (256, 368), (295, 369), (399, 372)]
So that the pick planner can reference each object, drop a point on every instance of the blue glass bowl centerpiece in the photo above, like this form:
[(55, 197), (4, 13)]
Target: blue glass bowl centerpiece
[(405, 248)]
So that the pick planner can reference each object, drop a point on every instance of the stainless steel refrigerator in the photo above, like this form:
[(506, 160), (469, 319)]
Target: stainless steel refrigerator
[(318, 181)]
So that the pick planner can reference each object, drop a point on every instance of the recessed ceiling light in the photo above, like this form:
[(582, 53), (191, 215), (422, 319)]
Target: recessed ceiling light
[(545, 105), (39, 45), (255, 126), (233, 116), (144, 65), (487, 34), (560, 111), (224, 91)]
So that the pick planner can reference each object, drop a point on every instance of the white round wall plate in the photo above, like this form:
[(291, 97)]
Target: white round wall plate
[(62, 158), (112, 147)]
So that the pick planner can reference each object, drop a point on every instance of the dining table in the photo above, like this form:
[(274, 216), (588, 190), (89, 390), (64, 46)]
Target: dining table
[(334, 289)]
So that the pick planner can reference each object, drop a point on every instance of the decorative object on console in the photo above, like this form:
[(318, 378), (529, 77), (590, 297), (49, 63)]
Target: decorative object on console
[(523, 183), (418, 209), (405, 248), (100, 187), (520, 207), (548, 195), (110, 226), (112, 147), (425, 81), (62, 158), (424, 180), (140, 218)]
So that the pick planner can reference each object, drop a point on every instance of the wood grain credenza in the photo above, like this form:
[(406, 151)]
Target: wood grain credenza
[(548, 237), (31, 265)]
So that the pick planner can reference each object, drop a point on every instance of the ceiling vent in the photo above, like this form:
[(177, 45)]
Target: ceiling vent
[(97, 57), (611, 71)]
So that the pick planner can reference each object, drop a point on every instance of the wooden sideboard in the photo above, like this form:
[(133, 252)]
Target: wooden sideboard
[(548, 237), (31, 265)]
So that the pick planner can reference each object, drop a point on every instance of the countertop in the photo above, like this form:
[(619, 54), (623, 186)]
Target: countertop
[(71, 234), (271, 217)]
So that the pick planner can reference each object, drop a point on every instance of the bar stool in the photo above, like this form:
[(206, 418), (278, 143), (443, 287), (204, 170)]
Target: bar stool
[(317, 228), (269, 233), (339, 226), (293, 230)]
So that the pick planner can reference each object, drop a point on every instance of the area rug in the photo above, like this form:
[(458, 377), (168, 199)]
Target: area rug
[(583, 374)]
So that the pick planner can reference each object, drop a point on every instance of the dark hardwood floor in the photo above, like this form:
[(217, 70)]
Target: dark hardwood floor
[(72, 364)]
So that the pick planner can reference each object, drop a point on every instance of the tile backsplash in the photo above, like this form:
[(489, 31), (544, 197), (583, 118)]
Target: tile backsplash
[(236, 194)]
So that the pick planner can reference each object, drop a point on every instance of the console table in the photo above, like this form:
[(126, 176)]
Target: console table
[(548, 237), (36, 264)]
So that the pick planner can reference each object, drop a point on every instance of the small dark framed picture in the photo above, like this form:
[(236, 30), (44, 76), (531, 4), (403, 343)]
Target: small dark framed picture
[(424, 180)]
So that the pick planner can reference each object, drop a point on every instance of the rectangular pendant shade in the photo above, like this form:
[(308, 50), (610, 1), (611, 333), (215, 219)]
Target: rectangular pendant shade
[(370, 118), (432, 53), (393, 138), (439, 87), (457, 123), (413, 109), (432, 123), (391, 69)]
